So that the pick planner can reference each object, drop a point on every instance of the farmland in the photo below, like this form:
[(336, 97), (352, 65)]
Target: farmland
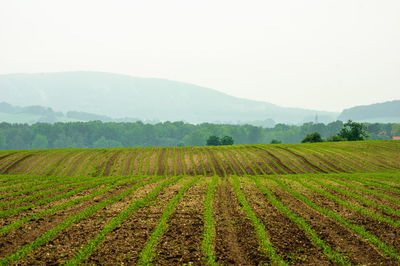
[(244, 204)]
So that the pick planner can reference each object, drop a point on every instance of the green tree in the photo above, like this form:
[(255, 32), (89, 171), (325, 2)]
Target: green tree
[(213, 141), (353, 131), (312, 137), (3, 142), (227, 140), (335, 138), (395, 130), (275, 141), (40, 142)]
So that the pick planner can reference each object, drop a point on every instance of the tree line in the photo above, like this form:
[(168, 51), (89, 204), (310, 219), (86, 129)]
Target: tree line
[(97, 134)]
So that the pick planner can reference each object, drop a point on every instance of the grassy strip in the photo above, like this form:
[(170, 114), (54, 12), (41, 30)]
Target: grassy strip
[(330, 253), (359, 197), (191, 159), (201, 161), (21, 184), (183, 161), (218, 160), (209, 224), (55, 166), (263, 239), (85, 251), (358, 229), (5, 229), (70, 162), (350, 206), (352, 156), (147, 253), (227, 160), (43, 239)]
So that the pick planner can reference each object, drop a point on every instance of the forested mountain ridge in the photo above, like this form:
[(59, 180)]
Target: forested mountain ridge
[(379, 112), (117, 96)]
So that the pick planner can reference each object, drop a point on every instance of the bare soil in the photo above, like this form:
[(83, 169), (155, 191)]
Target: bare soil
[(124, 244), (235, 238), (181, 243)]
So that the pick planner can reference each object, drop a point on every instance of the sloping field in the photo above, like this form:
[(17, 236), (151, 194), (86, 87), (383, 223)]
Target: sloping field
[(341, 157), (230, 205)]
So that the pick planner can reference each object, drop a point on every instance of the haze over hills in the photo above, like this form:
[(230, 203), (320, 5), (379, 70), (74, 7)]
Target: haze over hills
[(387, 112), (119, 96)]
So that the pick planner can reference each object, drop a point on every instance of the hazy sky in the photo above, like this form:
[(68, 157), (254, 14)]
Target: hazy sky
[(317, 54)]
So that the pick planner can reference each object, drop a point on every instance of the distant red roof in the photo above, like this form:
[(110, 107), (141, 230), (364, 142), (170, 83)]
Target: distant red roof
[(396, 138)]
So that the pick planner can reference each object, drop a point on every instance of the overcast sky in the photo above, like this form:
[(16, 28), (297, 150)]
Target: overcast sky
[(316, 54)]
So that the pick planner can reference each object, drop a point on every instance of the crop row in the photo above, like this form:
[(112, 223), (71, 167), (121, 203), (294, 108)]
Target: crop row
[(367, 156), (287, 218)]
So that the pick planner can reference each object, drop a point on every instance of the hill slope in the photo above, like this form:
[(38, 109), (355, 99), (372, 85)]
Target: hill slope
[(361, 156), (144, 98), (380, 112)]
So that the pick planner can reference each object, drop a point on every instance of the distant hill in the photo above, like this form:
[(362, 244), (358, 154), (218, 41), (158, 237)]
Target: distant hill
[(117, 96), (375, 113)]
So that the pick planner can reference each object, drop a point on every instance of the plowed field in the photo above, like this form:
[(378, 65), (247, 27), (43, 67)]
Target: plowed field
[(315, 204)]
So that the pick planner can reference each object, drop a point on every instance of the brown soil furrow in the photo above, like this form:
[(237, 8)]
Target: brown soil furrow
[(235, 238), (110, 163), (16, 164), (294, 162), (248, 164), (74, 237), (161, 164), (188, 162), (289, 241), (119, 163), (334, 234), (214, 161), (181, 243), (171, 162), (241, 161), (77, 161), (128, 161), (224, 161), (384, 232), (253, 155), (272, 161), (124, 244), (233, 162), (153, 161), (305, 160), (33, 229), (179, 162), (200, 159), (27, 164), (337, 167), (7, 155), (136, 163), (57, 164)]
